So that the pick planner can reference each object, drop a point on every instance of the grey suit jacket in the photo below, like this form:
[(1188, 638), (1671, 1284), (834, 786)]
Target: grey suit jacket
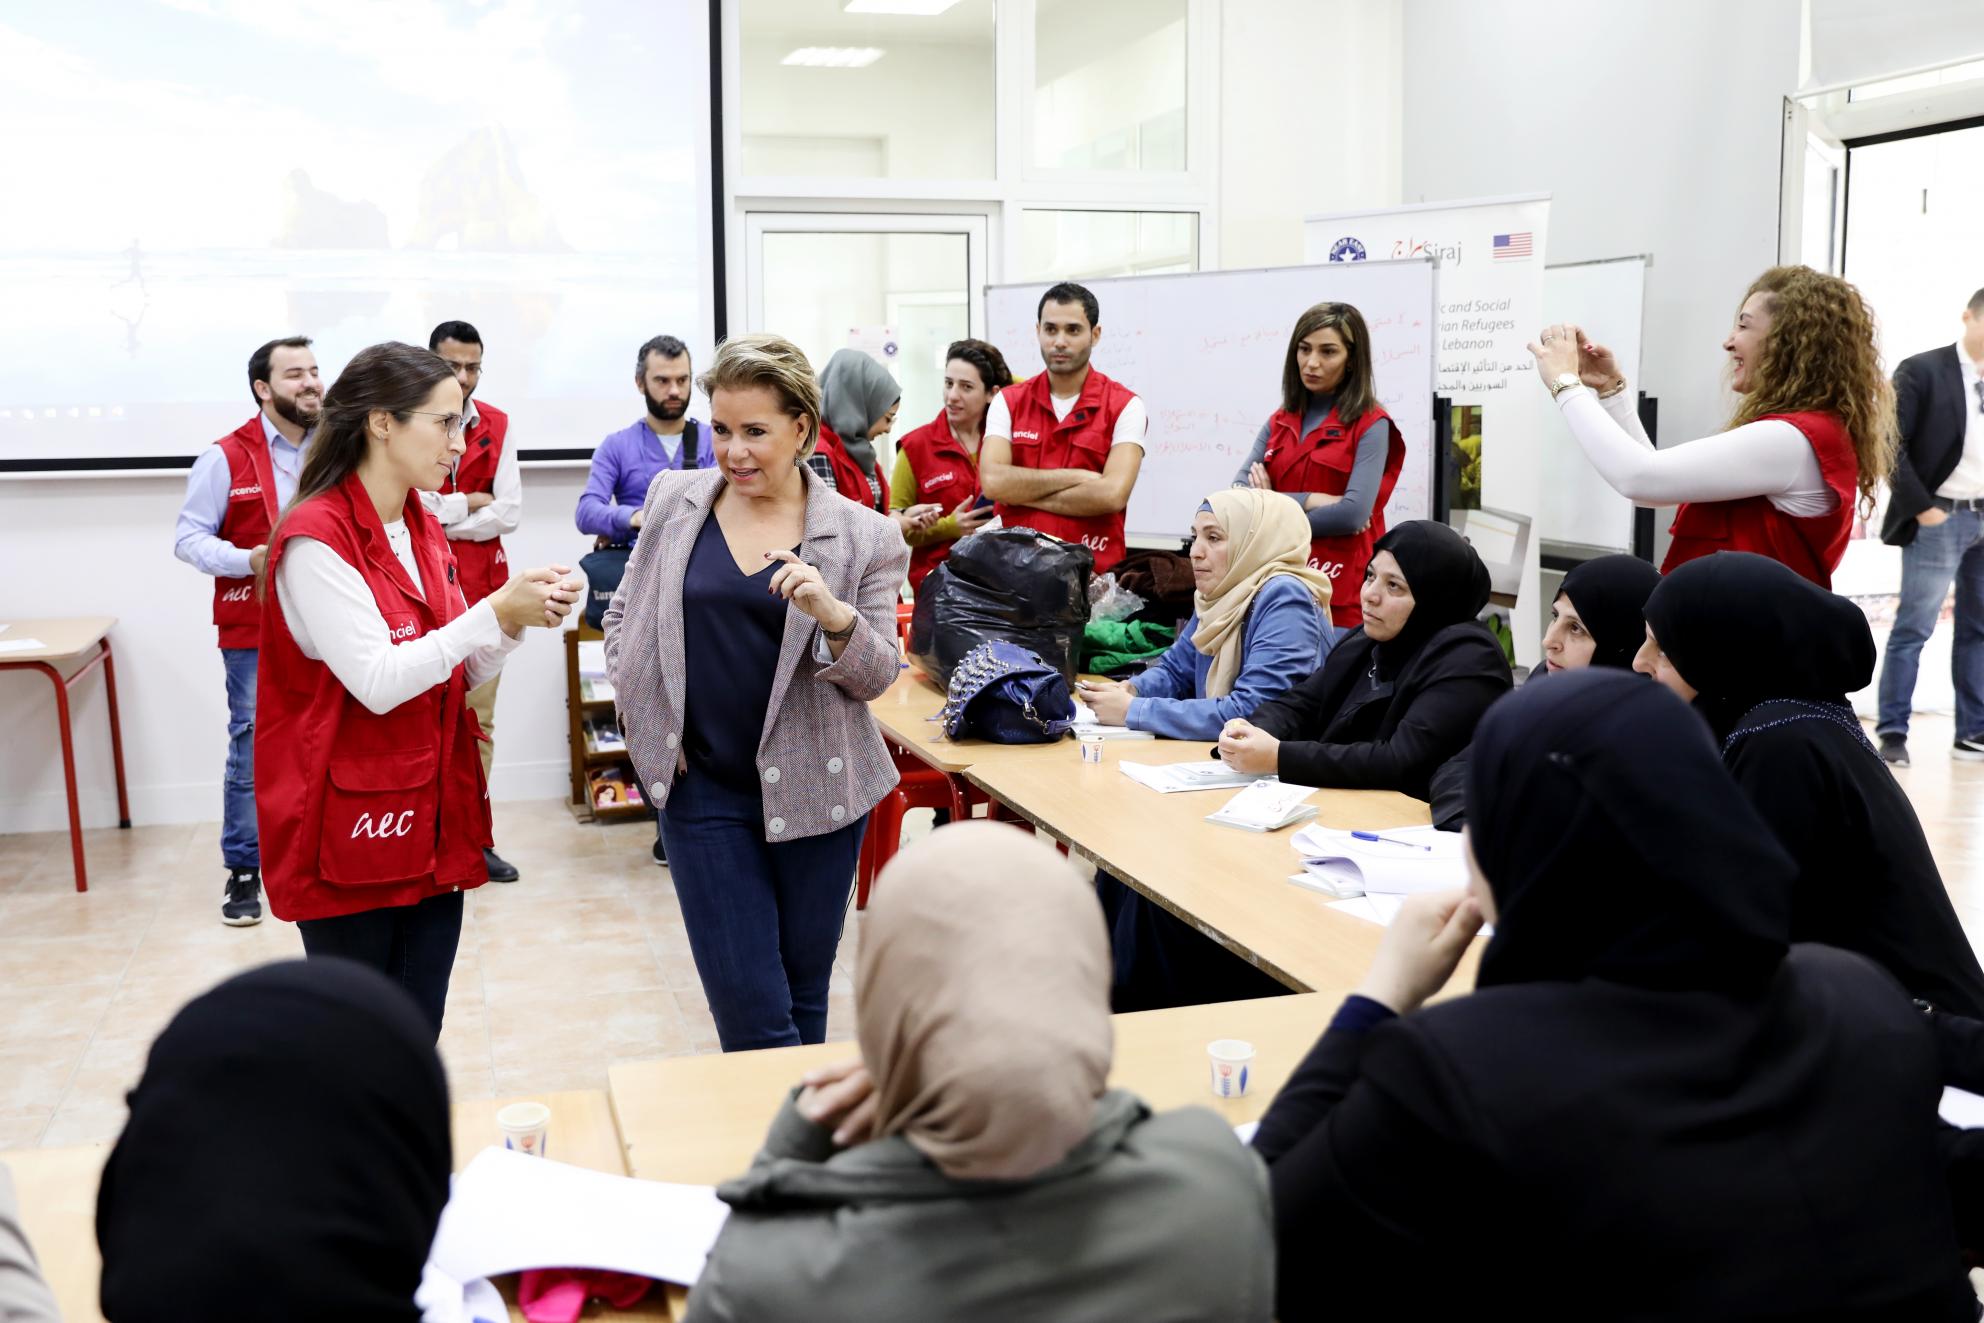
[(821, 759)]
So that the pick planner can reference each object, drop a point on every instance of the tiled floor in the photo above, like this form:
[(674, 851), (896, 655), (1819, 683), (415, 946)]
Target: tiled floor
[(581, 964)]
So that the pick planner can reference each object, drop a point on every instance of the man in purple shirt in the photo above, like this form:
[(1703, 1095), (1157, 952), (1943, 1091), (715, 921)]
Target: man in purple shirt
[(626, 462)]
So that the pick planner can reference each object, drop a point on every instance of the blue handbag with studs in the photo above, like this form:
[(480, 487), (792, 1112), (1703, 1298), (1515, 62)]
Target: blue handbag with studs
[(1005, 693)]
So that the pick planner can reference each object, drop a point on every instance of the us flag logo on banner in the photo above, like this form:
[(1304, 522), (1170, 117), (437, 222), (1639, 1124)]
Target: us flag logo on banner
[(1512, 247)]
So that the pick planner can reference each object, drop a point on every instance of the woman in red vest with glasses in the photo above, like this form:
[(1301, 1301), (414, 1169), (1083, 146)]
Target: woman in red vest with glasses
[(937, 464), (1814, 424), (1333, 448), (370, 792)]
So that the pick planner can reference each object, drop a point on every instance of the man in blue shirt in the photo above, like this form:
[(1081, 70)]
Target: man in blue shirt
[(625, 464), (234, 495)]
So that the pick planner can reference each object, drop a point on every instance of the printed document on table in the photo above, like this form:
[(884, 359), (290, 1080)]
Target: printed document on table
[(1173, 778), (1403, 860)]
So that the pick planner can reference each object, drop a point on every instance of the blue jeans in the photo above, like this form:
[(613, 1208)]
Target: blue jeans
[(413, 945), (240, 843), (764, 919), (1952, 550)]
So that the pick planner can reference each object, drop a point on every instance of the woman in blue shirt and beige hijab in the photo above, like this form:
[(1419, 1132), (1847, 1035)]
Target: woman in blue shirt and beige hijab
[(1261, 623)]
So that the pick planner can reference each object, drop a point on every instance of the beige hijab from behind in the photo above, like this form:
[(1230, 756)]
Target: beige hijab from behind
[(982, 1002), (1267, 534)]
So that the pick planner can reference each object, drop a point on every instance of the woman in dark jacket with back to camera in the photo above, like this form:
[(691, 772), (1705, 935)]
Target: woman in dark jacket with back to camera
[(1653, 1106), (1401, 696)]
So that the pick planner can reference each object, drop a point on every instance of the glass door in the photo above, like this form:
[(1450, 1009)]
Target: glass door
[(901, 287)]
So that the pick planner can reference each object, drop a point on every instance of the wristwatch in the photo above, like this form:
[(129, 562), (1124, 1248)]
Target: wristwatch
[(1562, 382)]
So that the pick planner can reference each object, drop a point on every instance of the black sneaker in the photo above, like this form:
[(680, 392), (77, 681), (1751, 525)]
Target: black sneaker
[(1894, 750), (242, 906), (500, 869), (1968, 751), (660, 850)]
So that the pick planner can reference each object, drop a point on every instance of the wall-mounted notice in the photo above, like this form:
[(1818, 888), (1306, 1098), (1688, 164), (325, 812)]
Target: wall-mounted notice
[(1490, 254)]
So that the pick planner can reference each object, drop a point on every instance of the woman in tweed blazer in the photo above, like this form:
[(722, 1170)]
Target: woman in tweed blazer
[(755, 623)]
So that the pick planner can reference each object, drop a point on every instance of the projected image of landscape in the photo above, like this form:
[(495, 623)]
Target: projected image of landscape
[(351, 170)]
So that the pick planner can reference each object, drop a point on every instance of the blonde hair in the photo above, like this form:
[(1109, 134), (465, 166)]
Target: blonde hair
[(1820, 355), (774, 363)]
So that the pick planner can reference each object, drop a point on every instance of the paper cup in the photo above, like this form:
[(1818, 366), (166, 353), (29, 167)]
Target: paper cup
[(525, 1127), (1232, 1064), (1091, 748)]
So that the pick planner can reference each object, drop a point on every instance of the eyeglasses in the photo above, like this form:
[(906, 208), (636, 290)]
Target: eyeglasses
[(454, 423)]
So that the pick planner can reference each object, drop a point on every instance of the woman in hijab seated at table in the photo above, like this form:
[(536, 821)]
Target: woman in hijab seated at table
[(973, 1164), (1399, 698), (286, 1157), (1653, 1106), (1594, 621), (1769, 658), (1260, 623)]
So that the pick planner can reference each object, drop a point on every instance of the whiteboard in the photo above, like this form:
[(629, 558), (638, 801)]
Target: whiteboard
[(1607, 300), (1205, 351)]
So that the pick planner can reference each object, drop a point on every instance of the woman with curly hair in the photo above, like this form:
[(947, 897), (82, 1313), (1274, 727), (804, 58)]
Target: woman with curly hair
[(1814, 424)]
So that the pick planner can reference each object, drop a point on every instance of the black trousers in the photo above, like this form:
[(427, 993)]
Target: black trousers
[(1162, 961), (413, 945)]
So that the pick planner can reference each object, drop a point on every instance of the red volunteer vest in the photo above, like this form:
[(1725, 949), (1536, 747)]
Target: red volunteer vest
[(1321, 462), (1809, 544), (484, 567), (848, 477), (1079, 441), (360, 811), (251, 513), (946, 476)]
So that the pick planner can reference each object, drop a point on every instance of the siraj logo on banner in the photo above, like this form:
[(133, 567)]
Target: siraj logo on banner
[(1448, 254), (1346, 249)]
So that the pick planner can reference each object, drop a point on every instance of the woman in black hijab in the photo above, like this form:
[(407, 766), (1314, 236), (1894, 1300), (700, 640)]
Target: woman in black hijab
[(1769, 658), (1401, 696), (287, 1155), (1594, 621), (1653, 1106)]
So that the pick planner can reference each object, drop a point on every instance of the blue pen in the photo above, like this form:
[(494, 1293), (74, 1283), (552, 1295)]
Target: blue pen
[(1388, 840)]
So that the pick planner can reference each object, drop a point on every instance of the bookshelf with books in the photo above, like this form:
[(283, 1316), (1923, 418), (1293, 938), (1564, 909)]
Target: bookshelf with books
[(604, 788)]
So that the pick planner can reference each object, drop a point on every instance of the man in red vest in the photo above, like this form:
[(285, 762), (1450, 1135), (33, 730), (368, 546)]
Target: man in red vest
[(238, 487), (481, 502), (1062, 450)]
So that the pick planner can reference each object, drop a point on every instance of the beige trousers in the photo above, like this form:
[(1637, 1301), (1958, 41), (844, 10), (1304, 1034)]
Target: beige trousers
[(482, 701)]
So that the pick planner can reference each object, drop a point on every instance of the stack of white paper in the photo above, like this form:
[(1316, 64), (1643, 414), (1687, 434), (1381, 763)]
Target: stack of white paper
[(1399, 861), (509, 1212), (1172, 778)]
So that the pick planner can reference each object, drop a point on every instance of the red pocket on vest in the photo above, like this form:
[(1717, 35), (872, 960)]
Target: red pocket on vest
[(380, 817)]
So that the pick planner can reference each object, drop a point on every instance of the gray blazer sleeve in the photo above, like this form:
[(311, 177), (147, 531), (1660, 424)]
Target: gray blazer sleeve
[(872, 659), (24, 1296)]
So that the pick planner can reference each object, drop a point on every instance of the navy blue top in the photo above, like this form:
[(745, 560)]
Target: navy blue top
[(732, 630)]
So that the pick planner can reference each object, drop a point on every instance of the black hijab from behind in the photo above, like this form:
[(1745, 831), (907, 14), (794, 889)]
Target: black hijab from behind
[(1609, 594), (287, 1155), (1743, 629), (1448, 581), (1616, 845)]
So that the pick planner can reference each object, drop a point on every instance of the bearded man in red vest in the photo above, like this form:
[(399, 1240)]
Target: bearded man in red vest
[(237, 488), (1062, 450), (481, 501)]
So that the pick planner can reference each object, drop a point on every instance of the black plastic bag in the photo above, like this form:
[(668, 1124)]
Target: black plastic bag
[(1012, 585)]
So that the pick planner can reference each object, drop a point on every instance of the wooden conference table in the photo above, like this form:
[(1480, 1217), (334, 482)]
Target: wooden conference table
[(57, 1189), (1230, 884)]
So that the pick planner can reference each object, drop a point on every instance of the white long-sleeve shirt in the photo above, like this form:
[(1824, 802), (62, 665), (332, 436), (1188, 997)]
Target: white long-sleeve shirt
[(505, 510), (334, 618), (1769, 458)]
